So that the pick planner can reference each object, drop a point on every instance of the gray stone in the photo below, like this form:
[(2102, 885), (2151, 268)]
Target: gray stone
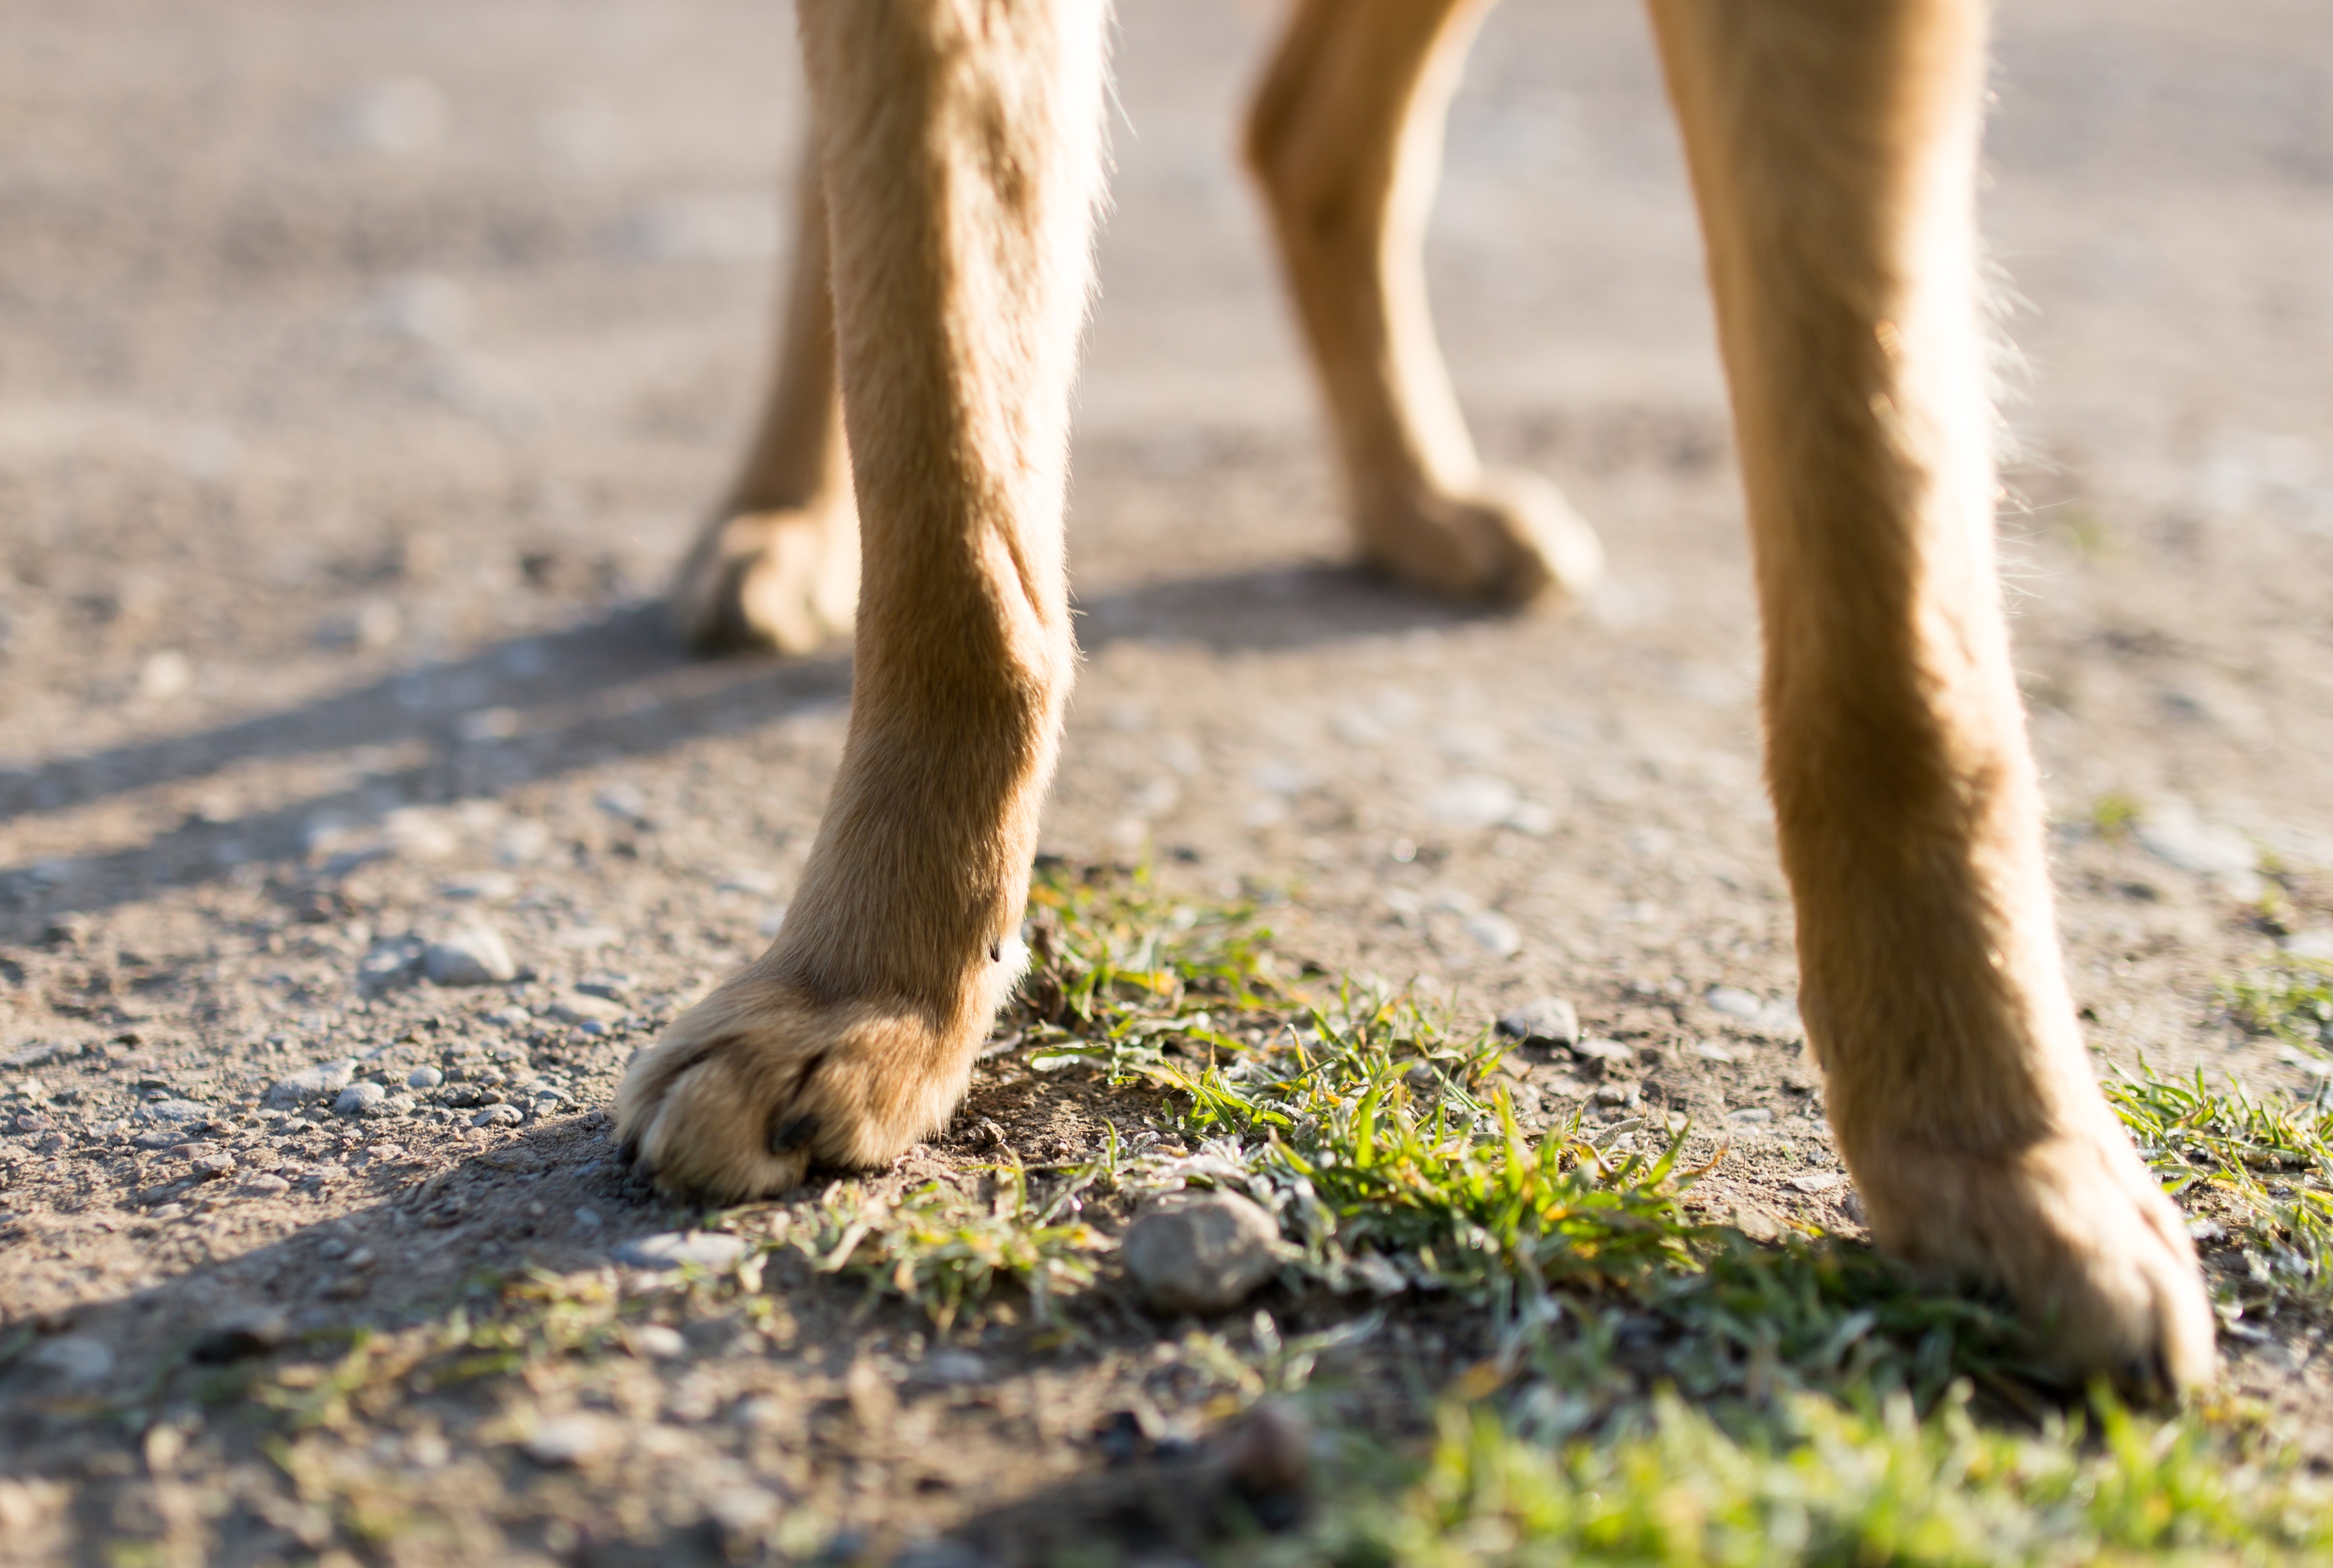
[(360, 1100), (475, 956), (1496, 934), (1611, 1053), (498, 1116), (1815, 1181), (569, 1439), (267, 1186), (312, 1083), (672, 1248), (75, 1357), (578, 1007), (424, 1079), (1542, 1020), (177, 1112), (1201, 1252), (1732, 1001), (659, 1341), (1750, 1113)]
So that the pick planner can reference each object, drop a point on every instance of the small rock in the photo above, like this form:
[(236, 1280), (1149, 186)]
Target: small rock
[(1750, 1113), (587, 1218), (475, 956), (1495, 934), (486, 887), (2314, 944), (239, 1337), (744, 1510), (1755, 1223), (1268, 1460), (312, 1083), (952, 1369), (574, 1009), (175, 1111), (1611, 1053), (1815, 1181), (424, 1079), (1732, 1001), (498, 1116), (1853, 1204), (567, 1440), (212, 1167), (659, 1341), (671, 1248), (75, 1357), (267, 1186), (34, 1122), (1542, 1020), (1713, 1054), (360, 1100), (1615, 1094), (1202, 1252)]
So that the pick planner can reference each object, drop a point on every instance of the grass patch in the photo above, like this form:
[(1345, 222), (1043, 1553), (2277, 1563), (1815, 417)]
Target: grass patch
[(1814, 1480), (2293, 1005), (945, 1250), (2262, 1170)]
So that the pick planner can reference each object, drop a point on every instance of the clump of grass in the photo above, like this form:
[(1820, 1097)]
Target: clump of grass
[(1816, 1480), (2269, 1163), (2293, 1004), (945, 1250)]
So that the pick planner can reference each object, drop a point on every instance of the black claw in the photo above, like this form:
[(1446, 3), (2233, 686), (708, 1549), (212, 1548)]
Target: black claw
[(793, 1133), (995, 952), (628, 1151)]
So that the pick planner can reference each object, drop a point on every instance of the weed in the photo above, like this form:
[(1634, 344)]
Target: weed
[(945, 1250), (2295, 1004), (1814, 1480), (2271, 1165)]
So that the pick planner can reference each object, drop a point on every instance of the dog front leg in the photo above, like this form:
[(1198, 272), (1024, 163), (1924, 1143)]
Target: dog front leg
[(1344, 137), (1833, 149), (961, 148)]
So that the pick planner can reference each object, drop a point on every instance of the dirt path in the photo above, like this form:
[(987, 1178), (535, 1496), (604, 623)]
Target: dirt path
[(366, 368)]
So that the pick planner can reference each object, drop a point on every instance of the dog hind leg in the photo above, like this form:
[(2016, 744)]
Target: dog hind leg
[(1344, 137), (961, 143), (1833, 150), (777, 567)]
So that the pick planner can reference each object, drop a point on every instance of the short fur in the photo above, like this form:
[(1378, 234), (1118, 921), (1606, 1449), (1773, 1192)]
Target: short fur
[(1832, 145)]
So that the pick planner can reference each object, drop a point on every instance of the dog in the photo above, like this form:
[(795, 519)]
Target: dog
[(942, 276)]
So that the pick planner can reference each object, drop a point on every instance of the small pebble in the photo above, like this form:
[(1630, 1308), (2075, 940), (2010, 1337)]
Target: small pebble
[(589, 1218), (1611, 1053), (75, 1357), (1201, 1252), (659, 1341), (360, 1100), (567, 1440), (1542, 1020), (1815, 1181), (1712, 1053), (267, 1186), (952, 1369), (475, 956), (312, 1083), (424, 1079), (1495, 934), (179, 1111), (671, 1248), (498, 1116), (1750, 1113), (1732, 1001)]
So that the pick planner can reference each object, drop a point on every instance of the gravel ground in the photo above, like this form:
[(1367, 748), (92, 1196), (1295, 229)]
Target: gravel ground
[(368, 367)]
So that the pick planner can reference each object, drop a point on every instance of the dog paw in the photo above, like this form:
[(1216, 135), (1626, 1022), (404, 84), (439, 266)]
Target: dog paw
[(1509, 539), (784, 581), (2096, 1257), (758, 1084)]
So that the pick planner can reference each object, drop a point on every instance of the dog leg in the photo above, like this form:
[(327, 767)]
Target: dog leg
[(962, 154), (1833, 149), (778, 566), (1344, 137)]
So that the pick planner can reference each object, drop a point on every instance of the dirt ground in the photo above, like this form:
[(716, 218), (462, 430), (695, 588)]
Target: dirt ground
[(364, 369)]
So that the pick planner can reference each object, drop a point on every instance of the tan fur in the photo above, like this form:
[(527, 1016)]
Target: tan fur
[(1832, 145)]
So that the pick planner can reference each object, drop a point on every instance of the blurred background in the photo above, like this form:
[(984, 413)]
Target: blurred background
[(365, 367)]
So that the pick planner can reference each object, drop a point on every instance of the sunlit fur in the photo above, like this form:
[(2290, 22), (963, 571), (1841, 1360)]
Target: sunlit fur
[(1832, 145)]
